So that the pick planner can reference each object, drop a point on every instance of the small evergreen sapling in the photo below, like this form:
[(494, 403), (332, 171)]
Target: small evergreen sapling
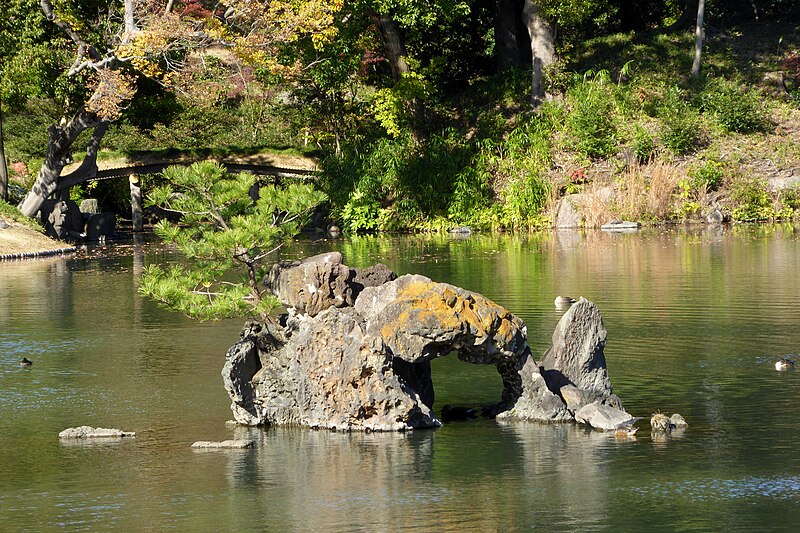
[(223, 232)]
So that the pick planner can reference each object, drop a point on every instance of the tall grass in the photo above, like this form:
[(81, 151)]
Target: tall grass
[(643, 192)]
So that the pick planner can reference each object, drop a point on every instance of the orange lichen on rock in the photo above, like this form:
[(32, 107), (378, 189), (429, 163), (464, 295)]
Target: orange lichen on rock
[(447, 314)]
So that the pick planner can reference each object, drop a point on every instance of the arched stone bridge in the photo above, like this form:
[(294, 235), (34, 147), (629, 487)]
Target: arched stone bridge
[(279, 165)]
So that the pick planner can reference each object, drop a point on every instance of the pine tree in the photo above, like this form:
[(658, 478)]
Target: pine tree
[(223, 232)]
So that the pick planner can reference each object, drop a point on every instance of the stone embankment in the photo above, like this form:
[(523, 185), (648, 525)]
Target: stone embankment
[(18, 241), (354, 352)]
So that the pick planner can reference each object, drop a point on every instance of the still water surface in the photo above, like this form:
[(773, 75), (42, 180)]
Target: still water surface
[(695, 319)]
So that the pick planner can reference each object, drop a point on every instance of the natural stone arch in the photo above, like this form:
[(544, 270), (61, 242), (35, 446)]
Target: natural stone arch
[(420, 320), (354, 353)]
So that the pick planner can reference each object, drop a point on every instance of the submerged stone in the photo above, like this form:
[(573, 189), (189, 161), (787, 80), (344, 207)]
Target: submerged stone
[(225, 444), (89, 432)]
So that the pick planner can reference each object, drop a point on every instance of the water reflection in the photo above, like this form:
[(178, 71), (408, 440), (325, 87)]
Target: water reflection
[(695, 320)]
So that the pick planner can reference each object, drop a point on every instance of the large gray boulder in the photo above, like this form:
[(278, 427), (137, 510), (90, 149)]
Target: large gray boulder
[(568, 211), (537, 402), (242, 361), (61, 219), (332, 374), (358, 357), (317, 283), (575, 362), (100, 226)]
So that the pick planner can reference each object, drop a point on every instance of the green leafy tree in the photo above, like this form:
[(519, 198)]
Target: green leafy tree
[(112, 44), (228, 238)]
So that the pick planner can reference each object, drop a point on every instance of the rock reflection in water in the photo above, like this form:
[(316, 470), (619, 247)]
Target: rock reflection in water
[(307, 478), (569, 464)]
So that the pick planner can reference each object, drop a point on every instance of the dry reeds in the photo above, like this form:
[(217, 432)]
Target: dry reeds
[(643, 192)]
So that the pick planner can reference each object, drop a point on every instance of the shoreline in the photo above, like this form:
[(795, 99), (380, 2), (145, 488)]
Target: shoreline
[(18, 241)]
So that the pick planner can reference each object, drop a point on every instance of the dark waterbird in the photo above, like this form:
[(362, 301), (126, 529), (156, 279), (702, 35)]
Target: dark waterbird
[(25, 362)]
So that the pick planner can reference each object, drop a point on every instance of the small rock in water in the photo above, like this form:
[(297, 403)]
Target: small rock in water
[(678, 421), (620, 225), (234, 443), (461, 230), (626, 432), (88, 432), (604, 417)]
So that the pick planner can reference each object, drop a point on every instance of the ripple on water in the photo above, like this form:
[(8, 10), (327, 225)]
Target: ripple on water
[(14, 346), (714, 490)]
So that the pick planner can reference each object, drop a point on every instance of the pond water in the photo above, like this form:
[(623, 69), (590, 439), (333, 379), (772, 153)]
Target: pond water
[(695, 320)]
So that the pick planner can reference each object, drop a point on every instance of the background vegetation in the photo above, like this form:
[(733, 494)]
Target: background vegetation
[(453, 140)]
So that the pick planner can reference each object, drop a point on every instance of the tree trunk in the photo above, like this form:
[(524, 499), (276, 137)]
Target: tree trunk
[(507, 45), (394, 45), (543, 50), (698, 43), (137, 216), (59, 148), (130, 22), (684, 21), (3, 167)]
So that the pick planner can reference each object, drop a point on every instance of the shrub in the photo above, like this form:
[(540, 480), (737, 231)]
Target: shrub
[(360, 214), (524, 201), (736, 109), (643, 144), (753, 202), (709, 175), (470, 195), (680, 123), (591, 122)]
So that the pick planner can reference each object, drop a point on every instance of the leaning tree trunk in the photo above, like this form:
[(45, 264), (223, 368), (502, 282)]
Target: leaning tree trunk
[(59, 148), (543, 49), (698, 45), (394, 45), (3, 167)]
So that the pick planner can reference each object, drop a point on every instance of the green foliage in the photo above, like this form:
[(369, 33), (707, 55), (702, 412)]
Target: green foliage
[(591, 122), (736, 109), (791, 198), (10, 212), (396, 108), (710, 175), (471, 194), (25, 129), (224, 232), (680, 123), (360, 214), (394, 183), (687, 206), (643, 144), (524, 201), (753, 202)]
